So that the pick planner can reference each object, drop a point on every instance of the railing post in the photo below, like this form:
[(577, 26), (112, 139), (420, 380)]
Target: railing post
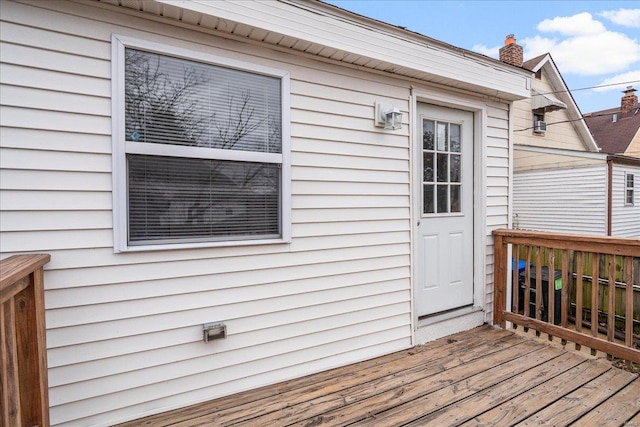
[(24, 397), (499, 281)]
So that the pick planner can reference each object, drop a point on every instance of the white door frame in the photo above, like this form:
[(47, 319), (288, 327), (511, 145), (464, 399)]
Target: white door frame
[(479, 110)]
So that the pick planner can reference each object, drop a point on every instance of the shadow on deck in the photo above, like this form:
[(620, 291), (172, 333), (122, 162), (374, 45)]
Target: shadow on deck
[(485, 376)]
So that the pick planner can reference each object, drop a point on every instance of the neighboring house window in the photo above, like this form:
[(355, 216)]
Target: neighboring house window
[(539, 125), (201, 150), (629, 190)]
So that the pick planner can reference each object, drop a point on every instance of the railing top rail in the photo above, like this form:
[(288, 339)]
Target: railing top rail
[(587, 243), (18, 266)]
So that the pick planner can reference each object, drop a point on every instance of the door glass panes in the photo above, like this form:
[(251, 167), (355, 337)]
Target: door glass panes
[(442, 162)]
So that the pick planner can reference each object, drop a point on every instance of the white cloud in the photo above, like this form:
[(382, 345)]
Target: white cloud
[(580, 24), (580, 45), (619, 82), (538, 45), (592, 54), (624, 17)]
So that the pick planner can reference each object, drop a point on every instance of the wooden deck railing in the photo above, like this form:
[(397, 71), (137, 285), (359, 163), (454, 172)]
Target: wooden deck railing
[(590, 288), (23, 352)]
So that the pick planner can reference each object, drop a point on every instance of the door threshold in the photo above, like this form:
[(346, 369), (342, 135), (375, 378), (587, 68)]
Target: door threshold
[(464, 308), (446, 323)]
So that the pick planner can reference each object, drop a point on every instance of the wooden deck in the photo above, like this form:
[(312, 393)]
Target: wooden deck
[(483, 377)]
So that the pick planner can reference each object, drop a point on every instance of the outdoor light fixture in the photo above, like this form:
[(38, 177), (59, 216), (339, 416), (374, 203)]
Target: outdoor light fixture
[(387, 116)]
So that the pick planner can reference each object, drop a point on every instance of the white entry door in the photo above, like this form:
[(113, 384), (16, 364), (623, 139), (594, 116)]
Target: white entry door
[(444, 258)]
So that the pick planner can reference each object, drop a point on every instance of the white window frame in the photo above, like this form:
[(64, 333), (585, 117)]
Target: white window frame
[(121, 147), (627, 189)]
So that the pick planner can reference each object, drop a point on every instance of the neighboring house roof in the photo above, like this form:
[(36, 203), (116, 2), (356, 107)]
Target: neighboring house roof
[(534, 64), (561, 97), (613, 130)]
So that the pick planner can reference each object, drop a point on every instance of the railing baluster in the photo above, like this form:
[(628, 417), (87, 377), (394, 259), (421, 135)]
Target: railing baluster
[(515, 274), (611, 309), (564, 302), (628, 267), (551, 287), (538, 282), (527, 285), (595, 282), (579, 289)]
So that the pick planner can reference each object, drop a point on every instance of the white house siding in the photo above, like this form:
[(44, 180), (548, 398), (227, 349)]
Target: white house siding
[(561, 200), (561, 132), (124, 330), (625, 219), (497, 188), (527, 160)]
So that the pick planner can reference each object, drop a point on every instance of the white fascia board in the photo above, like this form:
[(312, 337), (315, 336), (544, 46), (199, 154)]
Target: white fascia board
[(325, 25)]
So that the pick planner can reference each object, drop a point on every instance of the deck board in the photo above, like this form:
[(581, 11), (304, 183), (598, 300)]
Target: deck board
[(485, 376), (574, 405)]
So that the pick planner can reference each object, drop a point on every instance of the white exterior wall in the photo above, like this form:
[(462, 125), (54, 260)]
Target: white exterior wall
[(625, 219), (560, 133), (561, 200), (124, 330), (497, 164)]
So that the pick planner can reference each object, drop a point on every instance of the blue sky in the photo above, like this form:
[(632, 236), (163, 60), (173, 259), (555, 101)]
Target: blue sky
[(593, 43)]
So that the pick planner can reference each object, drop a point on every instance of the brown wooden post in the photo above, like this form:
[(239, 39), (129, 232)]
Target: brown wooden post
[(515, 276), (564, 306), (628, 269), (551, 288), (595, 285), (10, 389), (499, 281), (579, 290), (611, 306), (24, 393)]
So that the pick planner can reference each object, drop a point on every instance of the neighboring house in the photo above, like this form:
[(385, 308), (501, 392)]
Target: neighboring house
[(561, 180), (617, 130), (244, 163)]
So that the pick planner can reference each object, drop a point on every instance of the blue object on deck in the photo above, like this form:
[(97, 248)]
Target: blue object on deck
[(521, 265)]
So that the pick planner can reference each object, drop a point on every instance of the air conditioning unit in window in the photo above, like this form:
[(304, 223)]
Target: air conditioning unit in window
[(539, 127)]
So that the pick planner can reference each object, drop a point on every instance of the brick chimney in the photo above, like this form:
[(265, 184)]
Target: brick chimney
[(511, 53), (629, 100)]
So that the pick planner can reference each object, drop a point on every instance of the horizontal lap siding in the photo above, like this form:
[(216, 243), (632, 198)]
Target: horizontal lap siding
[(497, 188), (561, 132), (625, 218), (124, 330), (562, 200)]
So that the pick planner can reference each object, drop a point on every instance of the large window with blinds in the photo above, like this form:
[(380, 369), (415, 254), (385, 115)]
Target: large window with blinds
[(200, 149)]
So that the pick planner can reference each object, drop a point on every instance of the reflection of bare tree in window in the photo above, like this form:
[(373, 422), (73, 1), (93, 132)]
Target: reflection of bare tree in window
[(169, 109), (176, 196), (157, 107), (240, 121)]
